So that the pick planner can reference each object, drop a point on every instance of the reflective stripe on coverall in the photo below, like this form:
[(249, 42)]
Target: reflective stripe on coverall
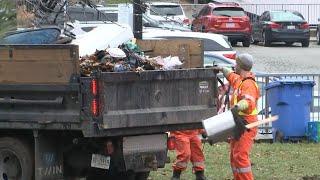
[(188, 148), (247, 89)]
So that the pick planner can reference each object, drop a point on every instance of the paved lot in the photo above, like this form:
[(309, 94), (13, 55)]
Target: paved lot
[(283, 59)]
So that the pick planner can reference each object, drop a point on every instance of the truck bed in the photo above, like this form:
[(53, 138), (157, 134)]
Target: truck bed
[(151, 101), (41, 88)]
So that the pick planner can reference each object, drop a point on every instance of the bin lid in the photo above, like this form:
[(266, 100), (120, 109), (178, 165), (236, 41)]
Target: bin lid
[(290, 81)]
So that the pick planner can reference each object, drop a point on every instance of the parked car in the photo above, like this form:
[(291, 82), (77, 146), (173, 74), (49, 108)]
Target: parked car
[(164, 11), (224, 18), (212, 59), (214, 43), (281, 26), (149, 22)]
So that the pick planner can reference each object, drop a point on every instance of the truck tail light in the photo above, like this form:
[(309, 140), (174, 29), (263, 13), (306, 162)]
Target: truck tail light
[(94, 87), (95, 98), (95, 107), (171, 143)]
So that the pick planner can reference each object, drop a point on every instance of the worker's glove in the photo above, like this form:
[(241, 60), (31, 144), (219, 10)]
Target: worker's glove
[(240, 123), (217, 69)]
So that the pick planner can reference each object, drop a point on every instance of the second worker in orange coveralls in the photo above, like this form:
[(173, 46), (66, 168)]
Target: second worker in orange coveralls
[(243, 106), (188, 148)]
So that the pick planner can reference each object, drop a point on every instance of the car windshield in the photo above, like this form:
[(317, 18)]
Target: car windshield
[(166, 10), (211, 45), (285, 16), (229, 12)]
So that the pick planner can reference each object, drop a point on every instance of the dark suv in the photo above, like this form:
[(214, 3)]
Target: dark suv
[(224, 18)]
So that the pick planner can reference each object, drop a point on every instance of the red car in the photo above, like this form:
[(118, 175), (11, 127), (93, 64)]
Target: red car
[(224, 18)]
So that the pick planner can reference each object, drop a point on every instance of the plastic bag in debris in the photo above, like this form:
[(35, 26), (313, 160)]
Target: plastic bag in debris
[(171, 63), (116, 53), (133, 47)]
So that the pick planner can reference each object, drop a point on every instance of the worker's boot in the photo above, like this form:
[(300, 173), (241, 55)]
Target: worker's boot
[(176, 175), (200, 175)]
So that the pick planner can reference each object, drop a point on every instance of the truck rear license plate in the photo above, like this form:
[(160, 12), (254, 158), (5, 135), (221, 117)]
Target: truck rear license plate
[(100, 161), (230, 25)]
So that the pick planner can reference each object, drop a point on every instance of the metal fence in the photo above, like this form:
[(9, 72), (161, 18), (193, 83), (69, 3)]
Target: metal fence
[(311, 12)]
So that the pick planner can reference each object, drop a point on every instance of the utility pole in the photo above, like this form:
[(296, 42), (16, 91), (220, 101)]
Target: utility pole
[(137, 19)]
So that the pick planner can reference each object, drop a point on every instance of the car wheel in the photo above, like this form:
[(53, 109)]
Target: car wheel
[(203, 29), (246, 43), (253, 41), (16, 159), (318, 37), (305, 43), (234, 43), (289, 43), (266, 41)]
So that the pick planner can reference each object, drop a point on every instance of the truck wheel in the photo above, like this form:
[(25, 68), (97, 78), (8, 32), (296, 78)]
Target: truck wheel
[(16, 159)]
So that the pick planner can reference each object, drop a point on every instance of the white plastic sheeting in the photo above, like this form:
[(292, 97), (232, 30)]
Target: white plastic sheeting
[(100, 37)]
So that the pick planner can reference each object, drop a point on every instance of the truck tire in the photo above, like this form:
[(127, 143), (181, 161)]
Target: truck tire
[(16, 159)]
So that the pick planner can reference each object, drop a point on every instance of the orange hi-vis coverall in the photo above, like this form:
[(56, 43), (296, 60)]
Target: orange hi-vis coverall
[(188, 148), (244, 88)]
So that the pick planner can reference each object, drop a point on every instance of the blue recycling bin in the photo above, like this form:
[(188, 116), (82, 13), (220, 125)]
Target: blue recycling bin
[(290, 99)]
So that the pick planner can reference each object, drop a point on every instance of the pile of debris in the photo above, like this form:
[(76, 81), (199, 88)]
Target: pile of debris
[(127, 57)]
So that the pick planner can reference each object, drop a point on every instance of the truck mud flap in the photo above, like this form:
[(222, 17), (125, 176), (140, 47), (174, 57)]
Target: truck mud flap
[(145, 153), (48, 157)]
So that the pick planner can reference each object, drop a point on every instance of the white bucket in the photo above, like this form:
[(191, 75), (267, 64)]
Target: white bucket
[(219, 127)]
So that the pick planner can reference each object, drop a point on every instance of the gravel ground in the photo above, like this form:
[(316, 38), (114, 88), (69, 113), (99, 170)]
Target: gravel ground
[(284, 59)]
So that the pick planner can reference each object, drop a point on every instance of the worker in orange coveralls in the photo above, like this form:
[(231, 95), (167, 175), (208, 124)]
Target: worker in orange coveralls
[(188, 148), (243, 107)]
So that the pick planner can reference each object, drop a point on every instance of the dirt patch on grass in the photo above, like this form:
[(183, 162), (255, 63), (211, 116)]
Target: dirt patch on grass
[(315, 177)]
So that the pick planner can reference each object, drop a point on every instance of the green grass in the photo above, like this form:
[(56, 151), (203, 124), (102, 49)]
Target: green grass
[(270, 161)]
